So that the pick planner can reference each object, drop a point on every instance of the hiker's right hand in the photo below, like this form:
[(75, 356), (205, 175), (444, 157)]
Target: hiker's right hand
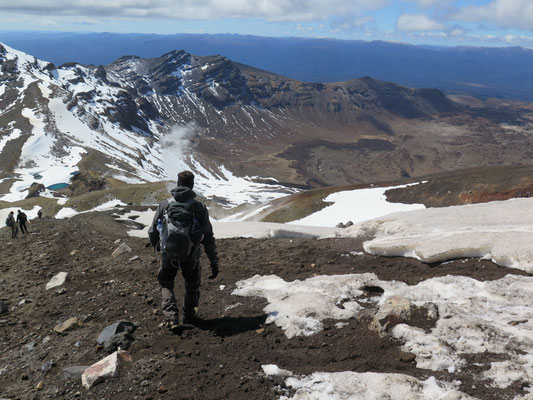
[(214, 271)]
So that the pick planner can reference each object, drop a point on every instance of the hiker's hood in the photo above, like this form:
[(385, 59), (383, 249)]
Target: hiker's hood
[(182, 193)]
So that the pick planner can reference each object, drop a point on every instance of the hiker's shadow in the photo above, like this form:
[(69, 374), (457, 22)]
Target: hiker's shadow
[(229, 326)]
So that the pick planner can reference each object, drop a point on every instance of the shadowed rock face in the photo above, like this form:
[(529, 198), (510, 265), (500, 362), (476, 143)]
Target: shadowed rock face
[(35, 189)]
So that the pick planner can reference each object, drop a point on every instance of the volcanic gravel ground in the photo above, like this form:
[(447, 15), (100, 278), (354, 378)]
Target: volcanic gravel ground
[(220, 357)]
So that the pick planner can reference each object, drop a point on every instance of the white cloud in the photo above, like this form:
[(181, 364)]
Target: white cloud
[(351, 24), (503, 13), (427, 3), (417, 23), (272, 10), (457, 32)]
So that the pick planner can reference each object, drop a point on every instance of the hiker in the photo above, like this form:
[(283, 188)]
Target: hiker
[(10, 221), (181, 250), (22, 218), (40, 214)]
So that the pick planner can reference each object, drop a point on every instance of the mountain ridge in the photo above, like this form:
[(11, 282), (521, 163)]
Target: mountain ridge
[(456, 70), (143, 119)]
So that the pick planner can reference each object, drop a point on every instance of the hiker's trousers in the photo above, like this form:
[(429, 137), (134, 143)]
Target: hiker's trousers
[(192, 274), (23, 227)]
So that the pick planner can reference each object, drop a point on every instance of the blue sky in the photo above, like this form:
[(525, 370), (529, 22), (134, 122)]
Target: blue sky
[(440, 22)]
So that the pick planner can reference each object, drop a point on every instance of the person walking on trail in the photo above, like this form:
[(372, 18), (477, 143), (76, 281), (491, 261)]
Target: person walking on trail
[(40, 214), (22, 218), (10, 221), (180, 224)]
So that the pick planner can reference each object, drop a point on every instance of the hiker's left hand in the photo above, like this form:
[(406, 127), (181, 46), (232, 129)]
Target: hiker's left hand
[(214, 271)]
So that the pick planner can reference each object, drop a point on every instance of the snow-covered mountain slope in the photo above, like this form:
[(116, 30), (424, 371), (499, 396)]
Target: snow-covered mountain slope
[(56, 122), (250, 135)]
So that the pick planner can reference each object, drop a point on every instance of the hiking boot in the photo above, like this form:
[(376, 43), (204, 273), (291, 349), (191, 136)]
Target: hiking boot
[(190, 317), (173, 326)]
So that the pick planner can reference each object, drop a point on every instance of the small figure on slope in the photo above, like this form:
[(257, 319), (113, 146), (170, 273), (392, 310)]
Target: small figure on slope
[(22, 218), (10, 221)]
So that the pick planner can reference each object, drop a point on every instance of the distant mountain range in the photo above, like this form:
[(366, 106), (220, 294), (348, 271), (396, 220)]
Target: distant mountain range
[(482, 72)]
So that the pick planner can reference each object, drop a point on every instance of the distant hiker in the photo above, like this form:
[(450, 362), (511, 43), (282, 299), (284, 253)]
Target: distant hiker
[(180, 224), (40, 214), (22, 218), (10, 221)]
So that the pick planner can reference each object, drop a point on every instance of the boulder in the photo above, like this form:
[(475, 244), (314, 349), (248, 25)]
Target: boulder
[(123, 248), (68, 325), (120, 341), (57, 280), (73, 372), (394, 310), (113, 329), (107, 368)]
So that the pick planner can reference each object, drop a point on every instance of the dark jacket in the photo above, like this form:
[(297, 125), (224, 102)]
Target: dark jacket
[(184, 194), (10, 221), (22, 217)]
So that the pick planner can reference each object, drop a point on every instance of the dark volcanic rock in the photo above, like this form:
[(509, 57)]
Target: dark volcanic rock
[(113, 329), (86, 181), (121, 340), (35, 189), (100, 73), (126, 113), (4, 308)]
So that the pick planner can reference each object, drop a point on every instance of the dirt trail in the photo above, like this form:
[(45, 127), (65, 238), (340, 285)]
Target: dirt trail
[(221, 357)]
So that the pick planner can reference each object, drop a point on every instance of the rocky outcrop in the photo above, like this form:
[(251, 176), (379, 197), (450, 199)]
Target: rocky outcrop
[(35, 190), (85, 182)]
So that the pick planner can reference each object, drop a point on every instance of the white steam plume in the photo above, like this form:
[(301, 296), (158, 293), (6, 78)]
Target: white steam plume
[(176, 147)]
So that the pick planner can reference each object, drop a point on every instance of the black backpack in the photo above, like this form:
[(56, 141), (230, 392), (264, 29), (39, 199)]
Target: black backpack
[(10, 220), (23, 217), (178, 219)]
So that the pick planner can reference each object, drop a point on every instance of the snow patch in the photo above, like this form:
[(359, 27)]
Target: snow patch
[(244, 229), (501, 231), (274, 370), (356, 206), (370, 386), (475, 317), (299, 307), (66, 212)]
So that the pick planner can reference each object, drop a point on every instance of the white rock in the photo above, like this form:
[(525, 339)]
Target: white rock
[(394, 306), (106, 368), (57, 280), (123, 248)]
